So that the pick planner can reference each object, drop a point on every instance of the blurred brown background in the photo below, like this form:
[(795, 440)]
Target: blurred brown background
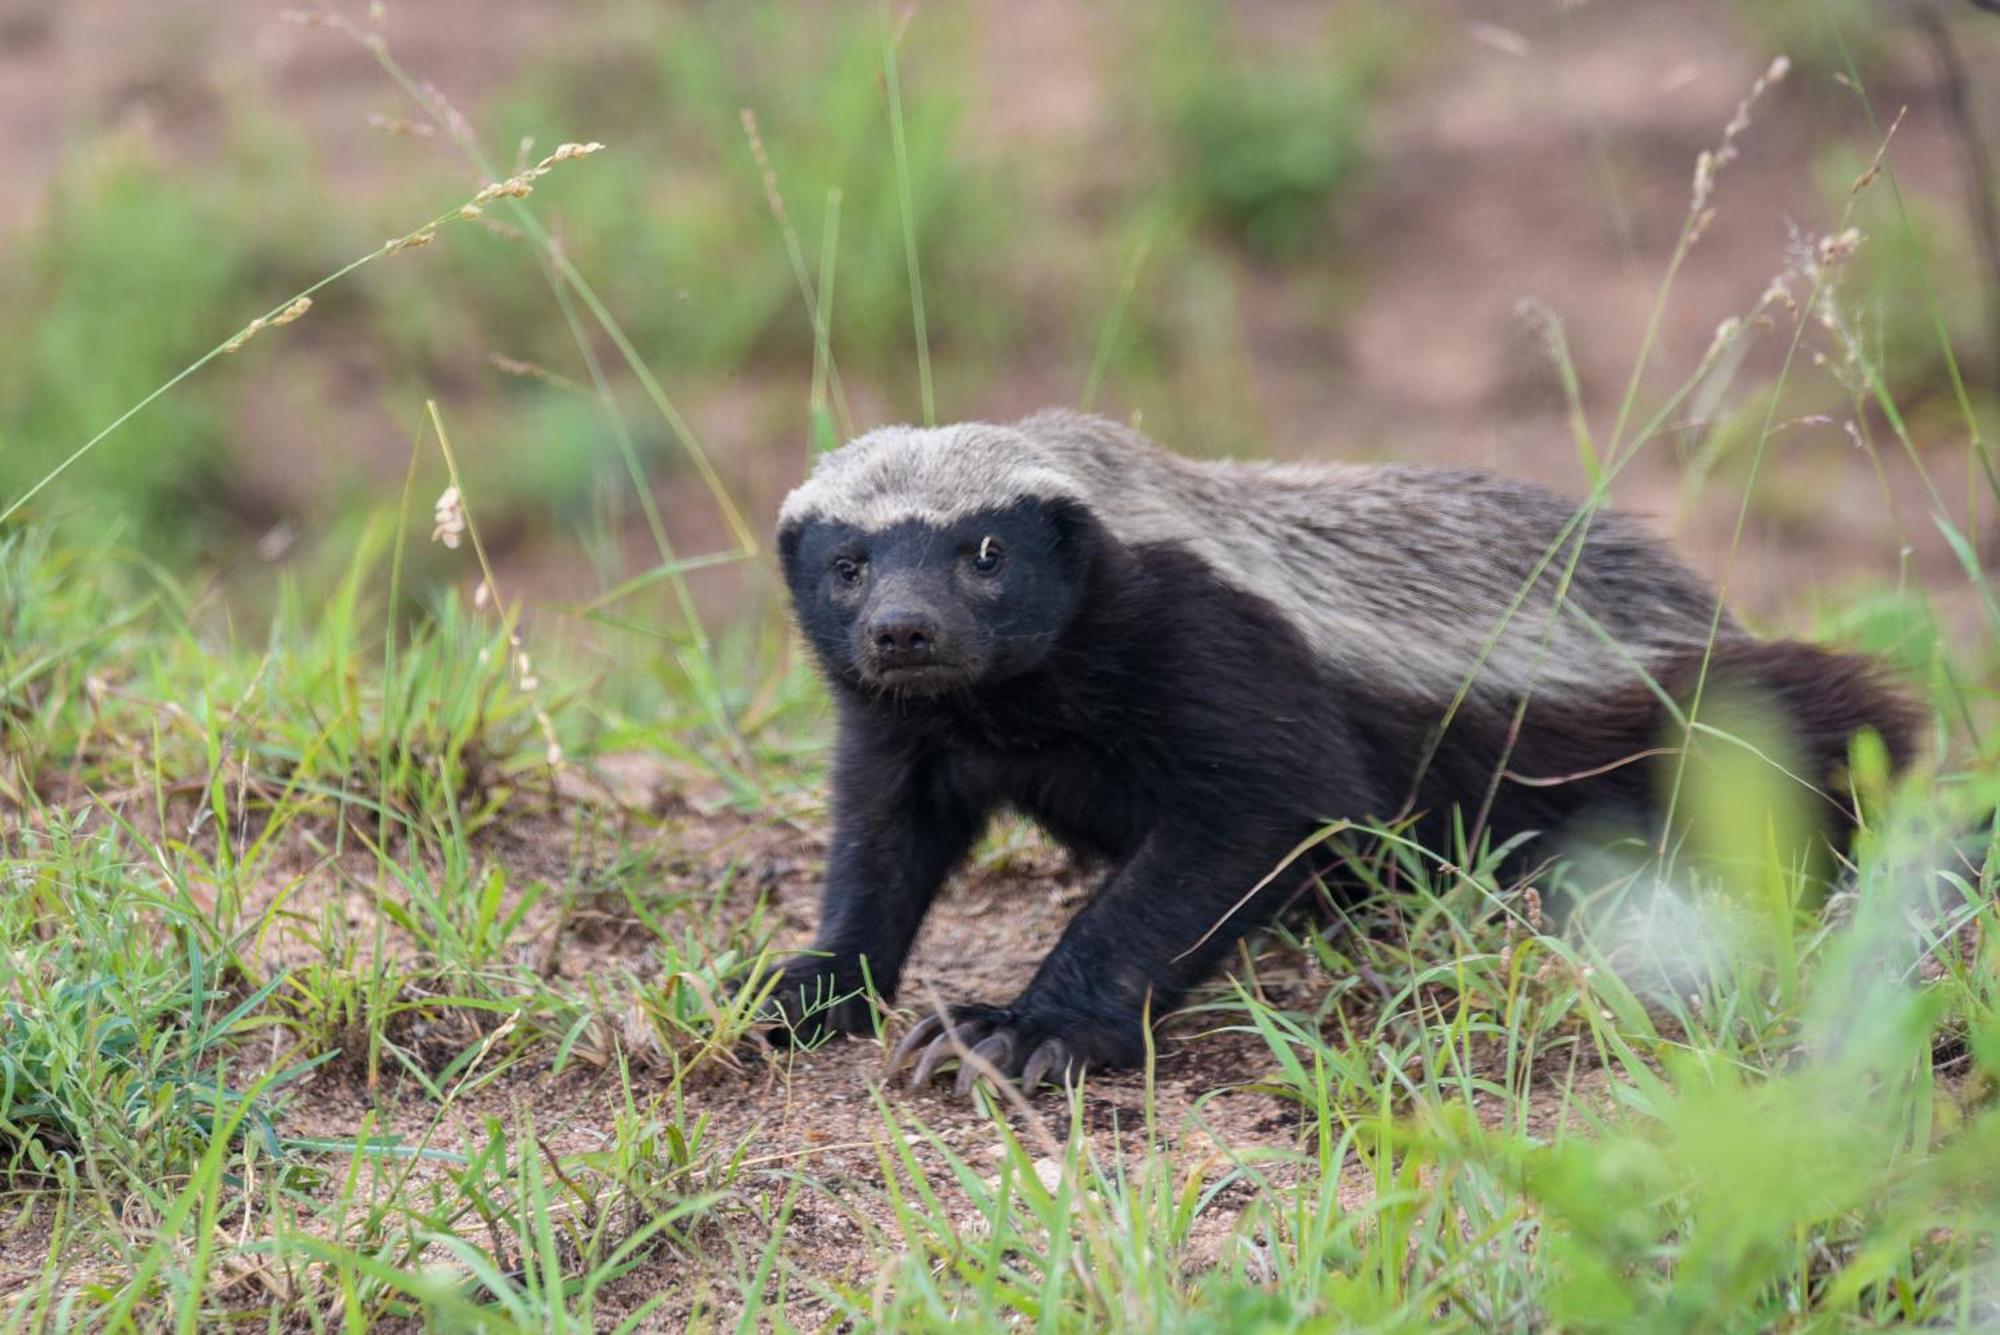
[(1323, 230)]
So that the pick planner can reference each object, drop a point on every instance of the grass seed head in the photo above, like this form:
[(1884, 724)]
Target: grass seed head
[(245, 334), (257, 326), (398, 126), (455, 123), (1725, 334), (564, 152), (450, 518), (1836, 248), (423, 236), (554, 752), (1711, 162)]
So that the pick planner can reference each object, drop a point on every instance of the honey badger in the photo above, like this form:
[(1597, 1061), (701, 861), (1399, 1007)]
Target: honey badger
[(1185, 668)]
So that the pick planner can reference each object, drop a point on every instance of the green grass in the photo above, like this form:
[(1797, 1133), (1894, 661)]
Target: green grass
[(1267, 145), (119, 237), (176, 964), (334, 993)]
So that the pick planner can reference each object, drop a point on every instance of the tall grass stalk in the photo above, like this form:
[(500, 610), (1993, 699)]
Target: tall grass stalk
[(892, 35)]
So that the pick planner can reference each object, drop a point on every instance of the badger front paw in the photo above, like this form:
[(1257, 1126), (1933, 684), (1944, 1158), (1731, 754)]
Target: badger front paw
[(817, 997), (1013, 1043)]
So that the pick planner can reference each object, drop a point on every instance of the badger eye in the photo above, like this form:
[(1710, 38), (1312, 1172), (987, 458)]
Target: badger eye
[(847, 570), (989, 556)]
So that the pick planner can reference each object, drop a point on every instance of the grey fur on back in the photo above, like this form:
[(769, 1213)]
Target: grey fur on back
[(1401, 574)]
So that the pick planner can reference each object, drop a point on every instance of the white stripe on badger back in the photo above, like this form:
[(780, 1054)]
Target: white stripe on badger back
[(1397, 574)]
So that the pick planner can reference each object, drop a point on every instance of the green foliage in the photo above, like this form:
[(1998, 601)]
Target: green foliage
[(1266, 146), (128, 277), (146, 1043), (113, 1043), (678, 210), (553, 1240), (1825, 1176), (1909, 242)]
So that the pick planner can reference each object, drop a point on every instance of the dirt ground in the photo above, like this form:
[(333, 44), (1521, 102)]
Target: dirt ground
[(809, 1127), (793, 1117)]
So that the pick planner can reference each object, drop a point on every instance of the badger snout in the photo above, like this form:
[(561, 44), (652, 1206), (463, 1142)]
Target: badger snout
[(908, 645), (902, 637)]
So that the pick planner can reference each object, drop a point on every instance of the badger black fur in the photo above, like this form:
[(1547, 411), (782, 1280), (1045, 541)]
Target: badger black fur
[(1185, 668)]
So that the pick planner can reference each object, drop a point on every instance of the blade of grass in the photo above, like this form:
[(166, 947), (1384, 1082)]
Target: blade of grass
[(892, 35)]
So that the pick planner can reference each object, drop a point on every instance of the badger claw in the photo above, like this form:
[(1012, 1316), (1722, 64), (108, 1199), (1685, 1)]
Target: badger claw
[(1052, 1056), (933, 1060), (995, 1052), (985, 1042), (968, 1031), (921, 1033)]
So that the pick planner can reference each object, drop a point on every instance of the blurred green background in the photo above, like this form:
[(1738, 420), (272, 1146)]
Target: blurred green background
[(1294, 228)]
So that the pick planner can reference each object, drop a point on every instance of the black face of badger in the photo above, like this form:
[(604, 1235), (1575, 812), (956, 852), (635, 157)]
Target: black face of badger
[(1186, 668), (919, 609)]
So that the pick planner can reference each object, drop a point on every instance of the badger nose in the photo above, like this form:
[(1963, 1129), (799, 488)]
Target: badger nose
[(903, 638)]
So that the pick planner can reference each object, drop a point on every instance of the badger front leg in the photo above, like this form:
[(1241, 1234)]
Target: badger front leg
[(1156, 926), (898, 830)]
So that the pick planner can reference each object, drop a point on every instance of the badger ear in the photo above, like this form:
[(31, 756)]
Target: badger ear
[(1079, 537), (790, 534)]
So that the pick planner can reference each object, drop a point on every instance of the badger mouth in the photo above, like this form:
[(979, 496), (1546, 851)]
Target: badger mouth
[(919, 678)]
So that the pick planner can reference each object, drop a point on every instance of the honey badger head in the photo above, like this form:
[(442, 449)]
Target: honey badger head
[(924, 561)]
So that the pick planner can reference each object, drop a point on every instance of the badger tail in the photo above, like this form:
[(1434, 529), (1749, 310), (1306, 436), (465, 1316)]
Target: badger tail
[(1808, 701)]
